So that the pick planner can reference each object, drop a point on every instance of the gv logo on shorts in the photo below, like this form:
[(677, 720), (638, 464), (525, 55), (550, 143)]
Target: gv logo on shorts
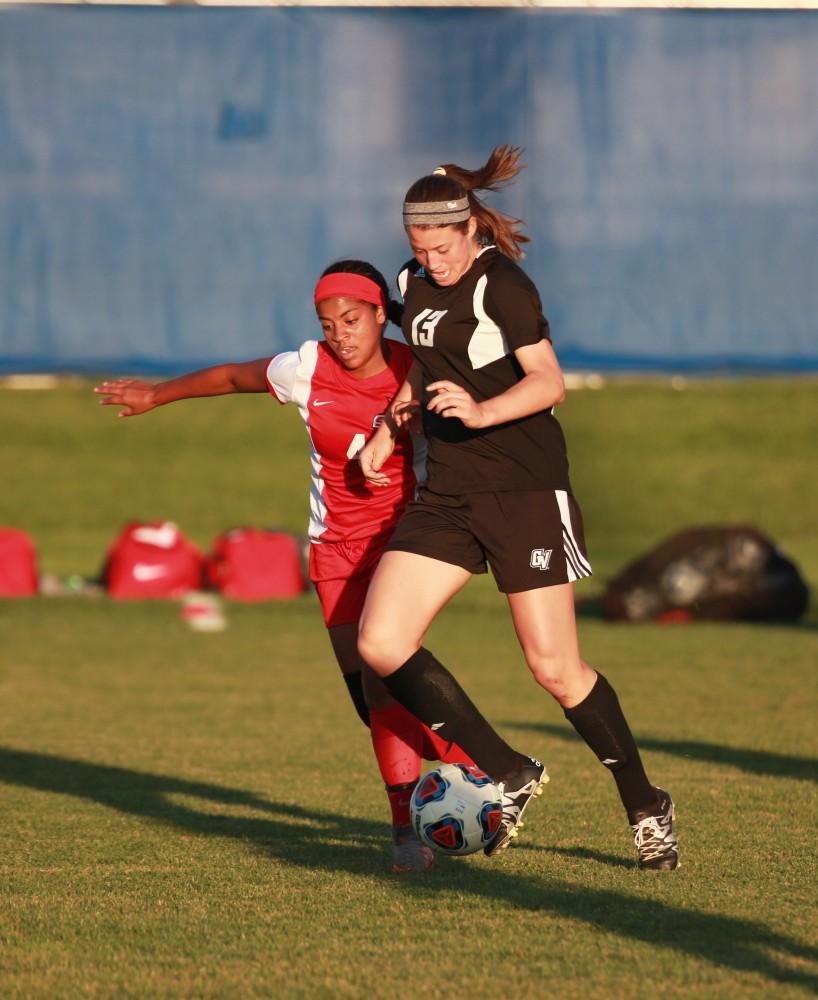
[(541, 558)]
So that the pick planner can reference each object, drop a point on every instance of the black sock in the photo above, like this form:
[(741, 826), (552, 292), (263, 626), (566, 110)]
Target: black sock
[(600, 722), (355, 686), (426, 689)]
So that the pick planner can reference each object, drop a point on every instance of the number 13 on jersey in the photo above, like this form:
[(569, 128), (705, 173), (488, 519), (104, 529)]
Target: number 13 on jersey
[(423, 326)]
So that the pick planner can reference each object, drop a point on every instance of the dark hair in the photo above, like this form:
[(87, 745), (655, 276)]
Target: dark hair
[(500, 168), (393, 309)]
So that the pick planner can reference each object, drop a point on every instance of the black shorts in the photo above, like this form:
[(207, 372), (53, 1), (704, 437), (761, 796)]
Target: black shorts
[(530, 539)]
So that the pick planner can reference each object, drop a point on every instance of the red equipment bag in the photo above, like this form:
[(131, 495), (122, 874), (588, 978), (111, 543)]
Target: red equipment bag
[(18, 564), (251, 564), (152, 560)]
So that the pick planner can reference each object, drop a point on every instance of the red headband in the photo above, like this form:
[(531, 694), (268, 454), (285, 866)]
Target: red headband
[(353, 286)]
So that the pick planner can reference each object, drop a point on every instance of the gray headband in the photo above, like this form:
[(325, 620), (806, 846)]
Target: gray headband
[(435, 213)]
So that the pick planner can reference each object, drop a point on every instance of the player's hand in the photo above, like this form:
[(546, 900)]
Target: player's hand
[(134, 396), (452, 401), (406, 416), (374, 454)]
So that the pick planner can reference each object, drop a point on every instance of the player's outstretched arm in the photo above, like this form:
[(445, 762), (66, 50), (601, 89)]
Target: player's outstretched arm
[(136, 396)]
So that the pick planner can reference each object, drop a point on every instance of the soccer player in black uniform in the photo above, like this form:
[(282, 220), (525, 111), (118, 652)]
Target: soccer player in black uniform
[(485, 381)]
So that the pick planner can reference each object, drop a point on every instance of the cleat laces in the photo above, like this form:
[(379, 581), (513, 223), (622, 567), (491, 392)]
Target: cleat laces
[(654, 837)]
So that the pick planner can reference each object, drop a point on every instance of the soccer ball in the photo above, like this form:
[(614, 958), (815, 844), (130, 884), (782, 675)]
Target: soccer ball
[(456, 809)]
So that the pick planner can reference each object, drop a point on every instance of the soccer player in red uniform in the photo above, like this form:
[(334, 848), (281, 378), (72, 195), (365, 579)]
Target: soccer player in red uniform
[(343, 386), (497, 493)]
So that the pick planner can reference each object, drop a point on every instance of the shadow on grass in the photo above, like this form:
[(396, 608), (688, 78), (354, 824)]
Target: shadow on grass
[(320, 840), (289, 831), (583, 853), (761, 762), (727, 942)]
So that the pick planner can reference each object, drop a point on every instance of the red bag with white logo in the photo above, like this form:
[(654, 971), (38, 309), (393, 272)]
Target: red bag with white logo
[(250, 564), (18, 564), (152, 560)]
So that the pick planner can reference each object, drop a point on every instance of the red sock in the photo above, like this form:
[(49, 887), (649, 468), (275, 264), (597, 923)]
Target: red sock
[(397, 738), (399, 798), (436, 748)]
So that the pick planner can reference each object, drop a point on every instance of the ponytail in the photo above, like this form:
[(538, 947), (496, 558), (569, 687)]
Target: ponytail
[(450, 182)]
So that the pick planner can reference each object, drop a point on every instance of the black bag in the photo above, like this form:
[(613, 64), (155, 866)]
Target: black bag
[(722, 572)]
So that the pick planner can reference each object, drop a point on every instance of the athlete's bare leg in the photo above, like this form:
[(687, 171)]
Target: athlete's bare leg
[(405, 596), (546, 627), (545, 622)]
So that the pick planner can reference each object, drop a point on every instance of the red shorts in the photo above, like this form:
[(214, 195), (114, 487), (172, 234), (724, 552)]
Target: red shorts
[(341, 572)]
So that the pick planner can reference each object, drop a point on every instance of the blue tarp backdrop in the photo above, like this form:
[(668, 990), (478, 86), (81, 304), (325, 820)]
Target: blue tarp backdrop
[(173, 180)]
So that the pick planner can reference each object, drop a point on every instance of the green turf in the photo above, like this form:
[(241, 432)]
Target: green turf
[(199, 815)]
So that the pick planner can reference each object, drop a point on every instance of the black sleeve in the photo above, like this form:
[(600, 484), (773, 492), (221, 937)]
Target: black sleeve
[(512, 301)]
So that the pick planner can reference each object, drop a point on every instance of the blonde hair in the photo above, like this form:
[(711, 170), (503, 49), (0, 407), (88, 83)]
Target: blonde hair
[(457, 182)]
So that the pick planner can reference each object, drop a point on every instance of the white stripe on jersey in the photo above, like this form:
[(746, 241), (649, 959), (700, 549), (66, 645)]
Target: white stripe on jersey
[(403, 281), (488, 342), (576, 564), (308, 359)]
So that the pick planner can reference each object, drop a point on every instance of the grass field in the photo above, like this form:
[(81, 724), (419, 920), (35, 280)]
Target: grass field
[(192, 815)]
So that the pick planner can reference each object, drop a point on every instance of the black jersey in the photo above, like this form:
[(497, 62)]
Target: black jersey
[(467, 333)]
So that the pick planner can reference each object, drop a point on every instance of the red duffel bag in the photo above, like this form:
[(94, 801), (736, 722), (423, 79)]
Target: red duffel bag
[(18, 564), (152, 560), (251, 564)]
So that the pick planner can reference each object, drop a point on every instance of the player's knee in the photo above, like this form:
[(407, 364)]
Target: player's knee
[(384, 649), (552, 670), (374, 648)]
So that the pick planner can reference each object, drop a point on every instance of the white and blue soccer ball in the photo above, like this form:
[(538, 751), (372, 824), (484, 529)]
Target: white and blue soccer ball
[(456, 809)]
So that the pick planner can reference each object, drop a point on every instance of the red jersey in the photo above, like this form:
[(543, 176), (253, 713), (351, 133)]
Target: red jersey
[(340, 413)]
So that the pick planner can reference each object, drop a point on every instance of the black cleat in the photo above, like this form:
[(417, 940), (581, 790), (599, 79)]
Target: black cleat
[(518, 789), (653, 835)]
